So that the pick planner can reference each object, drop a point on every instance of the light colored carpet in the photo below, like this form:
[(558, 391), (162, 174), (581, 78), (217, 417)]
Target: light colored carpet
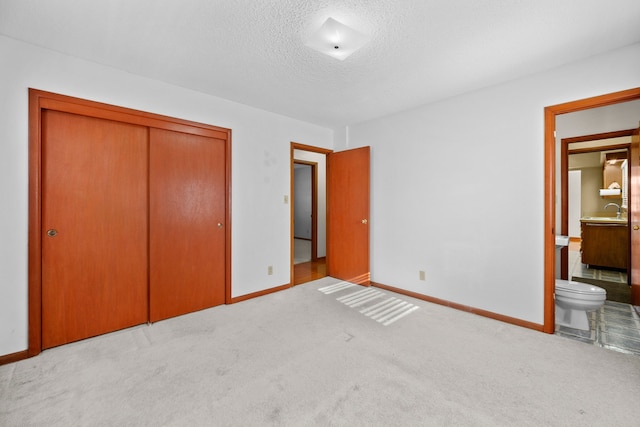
[(301, 357), (366, 301)]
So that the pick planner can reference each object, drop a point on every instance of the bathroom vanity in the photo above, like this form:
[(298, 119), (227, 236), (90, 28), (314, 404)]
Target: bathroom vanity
[(605, 242)]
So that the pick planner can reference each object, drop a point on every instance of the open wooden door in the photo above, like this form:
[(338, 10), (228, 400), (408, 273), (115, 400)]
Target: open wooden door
[(348, 215), (634, 216)]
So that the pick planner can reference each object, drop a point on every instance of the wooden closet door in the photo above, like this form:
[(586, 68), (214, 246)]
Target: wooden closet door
[(94, 227), (187, 230)]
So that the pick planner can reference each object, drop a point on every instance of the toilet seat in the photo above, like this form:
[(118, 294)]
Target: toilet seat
[(572, 287), (575, 289)]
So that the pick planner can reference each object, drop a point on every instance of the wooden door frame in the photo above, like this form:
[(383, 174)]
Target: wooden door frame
[(564, 181), (314, 205), (41, 100), (297, 146), (550, 114)]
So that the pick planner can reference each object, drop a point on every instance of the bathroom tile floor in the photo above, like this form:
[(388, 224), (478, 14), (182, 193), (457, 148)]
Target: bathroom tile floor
[(579, 270), (615, 326), (614, 282)]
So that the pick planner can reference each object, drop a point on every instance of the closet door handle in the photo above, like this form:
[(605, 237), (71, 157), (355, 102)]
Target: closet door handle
[(219, 225), (52, 232)]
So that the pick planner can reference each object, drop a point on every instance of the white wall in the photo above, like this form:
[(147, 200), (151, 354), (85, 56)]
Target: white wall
[(591, 202), (260, 167), (458, 187), (610, 118), (303, 202), (575, 203)]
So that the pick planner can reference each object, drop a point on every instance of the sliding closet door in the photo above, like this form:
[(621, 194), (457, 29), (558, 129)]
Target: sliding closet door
[(187, 229), (94, 226)]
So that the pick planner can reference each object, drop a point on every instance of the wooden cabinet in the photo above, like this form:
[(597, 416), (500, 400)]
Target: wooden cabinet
[(605, 244), (612, 174)]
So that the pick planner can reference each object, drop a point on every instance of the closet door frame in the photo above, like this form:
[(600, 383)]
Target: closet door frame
[(41, 100)]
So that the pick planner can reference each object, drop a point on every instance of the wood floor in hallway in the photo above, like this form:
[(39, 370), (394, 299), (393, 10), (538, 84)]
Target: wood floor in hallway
[(308, 271)]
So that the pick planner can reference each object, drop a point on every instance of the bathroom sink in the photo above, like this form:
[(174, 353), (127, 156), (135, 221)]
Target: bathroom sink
[(612, 219), (562, 241)]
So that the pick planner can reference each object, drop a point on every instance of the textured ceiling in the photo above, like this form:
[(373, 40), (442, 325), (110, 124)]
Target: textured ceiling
[(253, 51)]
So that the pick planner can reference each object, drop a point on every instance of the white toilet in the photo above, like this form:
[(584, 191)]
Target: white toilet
[(574, 300)]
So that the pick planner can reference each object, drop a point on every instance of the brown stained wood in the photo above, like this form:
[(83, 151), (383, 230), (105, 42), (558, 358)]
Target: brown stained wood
[(634, 217), (304, 147), (549, 220), (259, 293), (94, 270), (51, 101), (35, 222), (14, 357), (187, 223), (597, 136), (605, 245), (348, 215), (564, 200)]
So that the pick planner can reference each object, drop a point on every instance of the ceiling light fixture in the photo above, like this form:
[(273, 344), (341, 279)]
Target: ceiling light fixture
[(337, 40)]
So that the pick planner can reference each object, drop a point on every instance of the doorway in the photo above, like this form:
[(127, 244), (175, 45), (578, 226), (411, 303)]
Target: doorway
[(550, 230), (308, 213), (347, 214), (599, 161), (305, 211)]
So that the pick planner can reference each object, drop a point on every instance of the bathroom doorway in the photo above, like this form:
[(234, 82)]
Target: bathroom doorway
[(596, 223), (552, 210)]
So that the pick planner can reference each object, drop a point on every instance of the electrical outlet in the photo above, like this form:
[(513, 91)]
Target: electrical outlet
[(422, 275), (270, 270)]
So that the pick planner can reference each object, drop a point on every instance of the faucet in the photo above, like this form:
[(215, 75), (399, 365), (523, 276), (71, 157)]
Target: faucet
[(616, 205)]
